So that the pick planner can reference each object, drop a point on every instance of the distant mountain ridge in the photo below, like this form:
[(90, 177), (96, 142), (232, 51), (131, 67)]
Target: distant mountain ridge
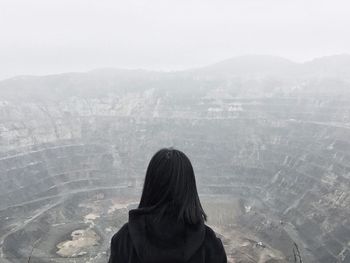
[(239, 64), (265, 65), (252, 64), (249, 67)]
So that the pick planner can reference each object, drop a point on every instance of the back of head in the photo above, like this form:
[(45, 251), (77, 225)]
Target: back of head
[(170, 185)]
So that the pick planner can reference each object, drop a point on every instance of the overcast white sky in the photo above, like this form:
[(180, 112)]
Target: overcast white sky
[(51, 36)]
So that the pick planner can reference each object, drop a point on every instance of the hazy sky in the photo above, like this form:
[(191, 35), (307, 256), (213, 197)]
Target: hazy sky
[(51, 36)]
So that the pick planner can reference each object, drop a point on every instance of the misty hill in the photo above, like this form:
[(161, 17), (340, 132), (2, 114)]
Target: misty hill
[(259, 70), (252, 66), (336, 66), (262, 66), (91, 83)]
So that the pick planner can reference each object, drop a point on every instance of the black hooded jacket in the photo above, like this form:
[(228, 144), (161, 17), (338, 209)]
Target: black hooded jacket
[(147, 239)]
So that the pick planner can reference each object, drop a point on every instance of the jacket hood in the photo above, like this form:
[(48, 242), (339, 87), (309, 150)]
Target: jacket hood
[(158, 240)]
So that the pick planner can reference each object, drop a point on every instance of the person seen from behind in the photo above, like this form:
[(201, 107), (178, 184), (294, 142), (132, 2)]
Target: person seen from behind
[(169, 224)]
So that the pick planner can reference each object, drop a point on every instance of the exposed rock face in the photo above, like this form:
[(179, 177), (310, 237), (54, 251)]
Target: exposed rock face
[(271, 152)]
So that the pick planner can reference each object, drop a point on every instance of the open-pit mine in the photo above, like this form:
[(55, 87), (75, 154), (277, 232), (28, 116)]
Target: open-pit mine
[(269, 141)]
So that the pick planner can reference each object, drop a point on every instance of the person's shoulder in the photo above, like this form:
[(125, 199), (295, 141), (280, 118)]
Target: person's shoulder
[(212, 239), (120, 245), (214, 246), (121, 234), (209, 232)]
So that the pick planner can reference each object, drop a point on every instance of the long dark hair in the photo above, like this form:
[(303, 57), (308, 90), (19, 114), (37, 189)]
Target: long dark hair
[(170, 182)]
